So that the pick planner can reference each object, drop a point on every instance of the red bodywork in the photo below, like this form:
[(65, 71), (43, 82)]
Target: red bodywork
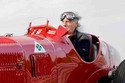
[(53, 59)]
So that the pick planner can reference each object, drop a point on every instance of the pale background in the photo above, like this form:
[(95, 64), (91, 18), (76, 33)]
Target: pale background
[(104, 18)]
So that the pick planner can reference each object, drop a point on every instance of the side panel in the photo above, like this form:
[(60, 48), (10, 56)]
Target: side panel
[(72, 69), (12, 69), (96, 76), (66, 61), (42, 68)]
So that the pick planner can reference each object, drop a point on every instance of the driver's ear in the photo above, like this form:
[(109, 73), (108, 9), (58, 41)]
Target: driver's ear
[(76, 22)]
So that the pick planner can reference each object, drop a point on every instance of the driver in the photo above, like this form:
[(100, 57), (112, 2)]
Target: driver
[(70, 21)]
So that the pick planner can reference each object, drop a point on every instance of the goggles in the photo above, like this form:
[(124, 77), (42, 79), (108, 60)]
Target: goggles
[(69, 15)]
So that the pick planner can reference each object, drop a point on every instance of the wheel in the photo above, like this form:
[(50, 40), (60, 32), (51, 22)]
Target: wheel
[(120, 73)]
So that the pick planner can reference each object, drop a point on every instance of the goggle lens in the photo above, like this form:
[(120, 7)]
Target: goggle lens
[(69, 16)]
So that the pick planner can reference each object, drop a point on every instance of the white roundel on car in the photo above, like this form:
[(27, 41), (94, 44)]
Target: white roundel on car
[(39, 48)]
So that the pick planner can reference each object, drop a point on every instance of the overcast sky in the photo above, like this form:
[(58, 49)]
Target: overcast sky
[(104, 18)]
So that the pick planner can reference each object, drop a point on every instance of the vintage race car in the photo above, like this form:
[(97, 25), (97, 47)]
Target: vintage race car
[(45, 55)]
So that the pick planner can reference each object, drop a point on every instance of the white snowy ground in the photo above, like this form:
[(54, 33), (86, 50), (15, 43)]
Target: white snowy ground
[(104, 18)]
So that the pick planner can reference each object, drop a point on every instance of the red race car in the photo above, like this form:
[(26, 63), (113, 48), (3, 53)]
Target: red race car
[(45, 55)]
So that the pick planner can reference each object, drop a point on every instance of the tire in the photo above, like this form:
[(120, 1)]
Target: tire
[(120, 73), (104, 80)]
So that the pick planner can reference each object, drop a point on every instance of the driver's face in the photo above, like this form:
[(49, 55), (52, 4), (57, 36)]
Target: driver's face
[(69, 25)]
